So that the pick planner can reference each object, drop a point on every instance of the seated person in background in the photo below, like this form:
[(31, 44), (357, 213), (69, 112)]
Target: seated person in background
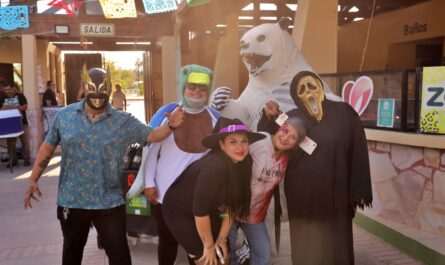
[(49, 97), (12, 99)]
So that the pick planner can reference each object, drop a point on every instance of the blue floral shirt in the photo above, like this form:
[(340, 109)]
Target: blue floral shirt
[(93, 155)]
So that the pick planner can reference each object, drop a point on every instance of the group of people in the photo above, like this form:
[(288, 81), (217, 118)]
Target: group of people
[(208, 176)]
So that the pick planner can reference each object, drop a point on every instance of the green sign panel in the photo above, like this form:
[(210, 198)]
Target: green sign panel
[(385, 113)]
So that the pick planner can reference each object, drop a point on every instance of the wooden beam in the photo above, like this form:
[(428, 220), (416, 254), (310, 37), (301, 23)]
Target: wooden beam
[(126, 28)]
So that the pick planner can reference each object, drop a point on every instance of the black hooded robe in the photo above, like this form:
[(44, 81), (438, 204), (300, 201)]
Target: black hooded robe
[(323, 189)]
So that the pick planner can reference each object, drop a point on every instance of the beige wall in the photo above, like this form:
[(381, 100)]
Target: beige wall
[(11, 51), (43, 59), (388, 45), (315, 33), (225, 71), (157, 79)]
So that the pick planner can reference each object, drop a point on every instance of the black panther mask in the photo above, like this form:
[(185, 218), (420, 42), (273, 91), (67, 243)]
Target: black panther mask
[(96, 84)]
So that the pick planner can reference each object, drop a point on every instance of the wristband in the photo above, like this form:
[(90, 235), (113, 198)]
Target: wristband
[(222, 238)]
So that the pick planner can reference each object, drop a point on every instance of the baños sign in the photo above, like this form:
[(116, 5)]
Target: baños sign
[(96, 29)]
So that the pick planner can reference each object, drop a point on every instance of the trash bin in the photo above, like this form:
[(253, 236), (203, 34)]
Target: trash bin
[(139, 218)]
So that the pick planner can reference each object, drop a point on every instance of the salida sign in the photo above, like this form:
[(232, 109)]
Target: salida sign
[(96, 29)]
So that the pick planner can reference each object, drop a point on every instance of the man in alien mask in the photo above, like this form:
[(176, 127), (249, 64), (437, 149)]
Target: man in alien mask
[(93, 138), (324, 185), (166, 160)]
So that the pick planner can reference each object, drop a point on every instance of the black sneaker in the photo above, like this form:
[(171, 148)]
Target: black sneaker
[(26, 163)]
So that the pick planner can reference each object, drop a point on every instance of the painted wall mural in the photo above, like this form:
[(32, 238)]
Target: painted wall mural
[(409, 185)]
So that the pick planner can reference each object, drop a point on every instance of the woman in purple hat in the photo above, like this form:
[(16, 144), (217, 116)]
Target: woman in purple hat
[(201, 203)]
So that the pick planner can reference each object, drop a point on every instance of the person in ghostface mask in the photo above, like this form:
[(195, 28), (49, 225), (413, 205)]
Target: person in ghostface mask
[(167, 159), (93, 138), (324, 185)]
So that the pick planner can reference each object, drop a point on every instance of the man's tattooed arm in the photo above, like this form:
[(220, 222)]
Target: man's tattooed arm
[(43, 164), (42, 160)]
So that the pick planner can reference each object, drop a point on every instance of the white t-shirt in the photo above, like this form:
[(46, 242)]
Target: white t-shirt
[(267, 173), (166, 161)]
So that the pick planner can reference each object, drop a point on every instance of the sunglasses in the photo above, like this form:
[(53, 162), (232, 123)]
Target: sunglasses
[(194, 87)]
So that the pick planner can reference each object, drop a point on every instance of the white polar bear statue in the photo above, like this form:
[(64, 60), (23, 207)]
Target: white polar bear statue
[(272, 59)]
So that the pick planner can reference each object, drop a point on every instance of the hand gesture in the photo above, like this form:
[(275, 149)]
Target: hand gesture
[(33, 190), (152, 195), (220, 98), (176, 118), (208, 256), (222, 245), (271, 109)]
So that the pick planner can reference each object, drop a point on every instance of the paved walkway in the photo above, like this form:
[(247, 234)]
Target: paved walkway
[(33, 237)]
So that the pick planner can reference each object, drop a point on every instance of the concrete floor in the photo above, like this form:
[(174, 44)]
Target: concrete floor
[(34, 237)]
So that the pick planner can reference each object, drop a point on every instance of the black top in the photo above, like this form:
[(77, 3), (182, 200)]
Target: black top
[(323, 189), (49, 95), (17, 100), (199, 191)]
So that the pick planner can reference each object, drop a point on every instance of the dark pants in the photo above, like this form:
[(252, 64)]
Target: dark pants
[(110, 225), (168, 246), (11, 142)]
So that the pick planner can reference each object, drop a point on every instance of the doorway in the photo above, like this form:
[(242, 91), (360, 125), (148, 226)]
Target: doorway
[(429, 55), (131, 69)]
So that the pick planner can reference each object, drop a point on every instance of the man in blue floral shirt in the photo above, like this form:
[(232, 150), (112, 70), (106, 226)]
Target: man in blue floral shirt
[(93, 137)]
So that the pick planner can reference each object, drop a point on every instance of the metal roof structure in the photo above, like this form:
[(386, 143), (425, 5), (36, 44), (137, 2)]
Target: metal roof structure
[(206, 20)]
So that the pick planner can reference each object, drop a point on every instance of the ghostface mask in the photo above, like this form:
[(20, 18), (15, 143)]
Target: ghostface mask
[(308, 94), (96, 83)]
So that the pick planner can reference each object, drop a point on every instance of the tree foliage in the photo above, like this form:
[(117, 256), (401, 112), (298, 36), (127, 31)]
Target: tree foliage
[(124, 77)]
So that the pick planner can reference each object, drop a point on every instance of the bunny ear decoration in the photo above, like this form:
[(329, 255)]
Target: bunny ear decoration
[(358, 94)]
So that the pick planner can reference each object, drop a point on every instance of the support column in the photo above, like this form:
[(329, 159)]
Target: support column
[(443, 52), (52, 63), (30, 89), (226, 70), (315, 33), (169, 69)]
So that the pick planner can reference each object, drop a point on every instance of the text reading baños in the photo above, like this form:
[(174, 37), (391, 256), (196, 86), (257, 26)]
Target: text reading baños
[(415, 28)]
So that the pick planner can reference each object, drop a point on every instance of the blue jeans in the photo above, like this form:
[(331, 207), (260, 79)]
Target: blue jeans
[(259, 243)]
